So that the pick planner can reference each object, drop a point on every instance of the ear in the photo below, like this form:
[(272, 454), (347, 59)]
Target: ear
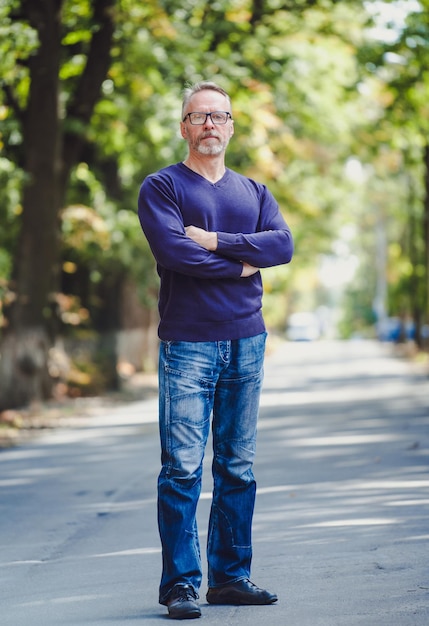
[(183, 130), (231, 128)]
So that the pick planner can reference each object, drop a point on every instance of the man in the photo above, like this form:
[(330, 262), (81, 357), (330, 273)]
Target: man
[(210, 230)]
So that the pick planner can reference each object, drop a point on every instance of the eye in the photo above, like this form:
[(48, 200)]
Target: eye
[(200, 118)]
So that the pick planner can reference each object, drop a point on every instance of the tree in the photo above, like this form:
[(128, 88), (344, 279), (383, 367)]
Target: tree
[(114, 74), (53, 126), (397, 67)]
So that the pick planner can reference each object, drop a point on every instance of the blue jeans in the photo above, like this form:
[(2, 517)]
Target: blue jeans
[(197, 381)]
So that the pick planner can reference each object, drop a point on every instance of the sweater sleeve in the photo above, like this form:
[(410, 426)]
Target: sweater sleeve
[(162, 223), (271, 245)]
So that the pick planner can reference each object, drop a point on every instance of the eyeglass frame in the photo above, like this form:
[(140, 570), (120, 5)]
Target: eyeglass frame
[(227, 113)]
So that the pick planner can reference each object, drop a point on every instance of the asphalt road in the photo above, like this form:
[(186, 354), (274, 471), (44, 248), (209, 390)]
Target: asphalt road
[(341, 526)]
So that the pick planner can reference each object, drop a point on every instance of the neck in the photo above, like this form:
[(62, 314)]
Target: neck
[(212, 168)]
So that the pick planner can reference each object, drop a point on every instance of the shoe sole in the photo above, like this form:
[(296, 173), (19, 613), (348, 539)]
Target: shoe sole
[(191, 614), (237, 601), (186, 616)]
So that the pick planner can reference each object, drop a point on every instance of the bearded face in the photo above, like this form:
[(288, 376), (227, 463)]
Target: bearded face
[(207, 139)]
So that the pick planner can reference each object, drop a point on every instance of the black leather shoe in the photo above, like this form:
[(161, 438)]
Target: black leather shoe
[(182, 603), (241, 592)]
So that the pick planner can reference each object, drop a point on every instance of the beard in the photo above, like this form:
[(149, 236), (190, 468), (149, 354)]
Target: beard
[(211, 148)]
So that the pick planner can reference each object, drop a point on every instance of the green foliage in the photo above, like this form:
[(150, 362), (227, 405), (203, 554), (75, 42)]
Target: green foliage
[(17, 42), (392, 146), (10, 182), (311, 88)]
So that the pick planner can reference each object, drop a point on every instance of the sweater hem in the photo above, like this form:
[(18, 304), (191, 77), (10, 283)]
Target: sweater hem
[(212, 331)]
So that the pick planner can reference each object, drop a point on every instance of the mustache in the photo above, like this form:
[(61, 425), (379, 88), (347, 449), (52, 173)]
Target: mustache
[(209, 133)]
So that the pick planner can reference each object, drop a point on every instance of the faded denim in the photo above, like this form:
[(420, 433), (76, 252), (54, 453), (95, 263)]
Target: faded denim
[(199, 383)]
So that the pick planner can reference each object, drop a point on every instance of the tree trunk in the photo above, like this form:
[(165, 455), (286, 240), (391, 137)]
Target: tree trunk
[(24, 364), (138, 338), (81, 104), (31, 319)]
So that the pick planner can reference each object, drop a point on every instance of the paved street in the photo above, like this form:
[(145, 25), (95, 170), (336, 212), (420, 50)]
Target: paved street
[(341, 528)]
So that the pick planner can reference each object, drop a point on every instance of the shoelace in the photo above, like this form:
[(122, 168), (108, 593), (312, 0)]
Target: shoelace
[(249, 582), (184, 593)]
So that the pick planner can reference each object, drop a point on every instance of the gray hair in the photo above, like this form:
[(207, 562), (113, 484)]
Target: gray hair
[(188, 92)]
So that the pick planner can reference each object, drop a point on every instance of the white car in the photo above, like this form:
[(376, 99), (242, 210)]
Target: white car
[(303, 327)]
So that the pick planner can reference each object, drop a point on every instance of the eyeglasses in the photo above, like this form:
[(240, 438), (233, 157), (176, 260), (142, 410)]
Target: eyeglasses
[(217, 117)]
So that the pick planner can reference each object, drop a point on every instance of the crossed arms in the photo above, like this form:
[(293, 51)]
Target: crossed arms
[(208, 240)]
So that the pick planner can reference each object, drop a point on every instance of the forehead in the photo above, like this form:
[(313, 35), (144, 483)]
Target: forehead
[(208, 100)]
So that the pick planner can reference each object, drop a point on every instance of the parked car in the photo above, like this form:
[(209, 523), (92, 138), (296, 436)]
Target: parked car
[(395, 329), (303, 326)]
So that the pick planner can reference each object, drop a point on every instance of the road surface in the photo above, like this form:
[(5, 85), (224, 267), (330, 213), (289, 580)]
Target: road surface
[(341, 528)]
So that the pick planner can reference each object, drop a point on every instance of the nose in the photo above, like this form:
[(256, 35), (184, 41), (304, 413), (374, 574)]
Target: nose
[(209, 122)]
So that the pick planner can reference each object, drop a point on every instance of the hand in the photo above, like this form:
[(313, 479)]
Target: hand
[(248, 270), (204, 238)]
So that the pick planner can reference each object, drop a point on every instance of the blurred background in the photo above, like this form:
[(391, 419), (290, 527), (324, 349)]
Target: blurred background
[(331, 109)]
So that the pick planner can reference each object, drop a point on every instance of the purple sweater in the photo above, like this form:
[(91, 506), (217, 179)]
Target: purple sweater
[(202, 297)]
